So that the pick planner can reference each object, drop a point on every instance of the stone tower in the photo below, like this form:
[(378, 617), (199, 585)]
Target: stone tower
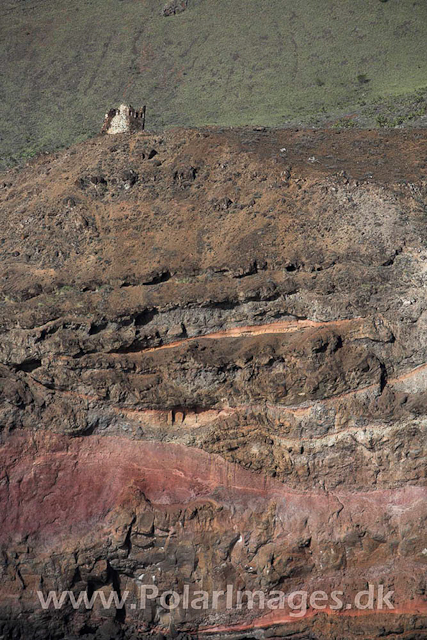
[(125, 119)]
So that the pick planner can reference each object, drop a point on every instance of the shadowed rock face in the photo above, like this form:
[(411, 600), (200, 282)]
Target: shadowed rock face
[(213, 369)]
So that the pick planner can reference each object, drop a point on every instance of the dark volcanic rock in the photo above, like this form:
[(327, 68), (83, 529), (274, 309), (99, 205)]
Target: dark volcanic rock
[(213, 372), (174, 6)]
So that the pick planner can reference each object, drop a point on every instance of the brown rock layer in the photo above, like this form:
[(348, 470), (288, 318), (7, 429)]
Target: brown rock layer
[(213, 368)]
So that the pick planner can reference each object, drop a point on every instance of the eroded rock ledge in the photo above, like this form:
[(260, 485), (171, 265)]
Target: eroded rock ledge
[(213, 367)]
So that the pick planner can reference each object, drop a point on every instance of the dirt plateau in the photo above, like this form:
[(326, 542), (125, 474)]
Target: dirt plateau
[(213, 371)]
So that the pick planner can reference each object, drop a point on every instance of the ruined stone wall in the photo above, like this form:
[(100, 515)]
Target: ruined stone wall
[(124, 120)]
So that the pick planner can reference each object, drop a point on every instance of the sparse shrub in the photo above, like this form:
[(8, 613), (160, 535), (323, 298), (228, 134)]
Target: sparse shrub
[(344, 123), (382, 121), (362, 78)]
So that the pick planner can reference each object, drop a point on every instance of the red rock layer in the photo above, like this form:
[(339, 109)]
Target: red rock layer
[(213, 372)]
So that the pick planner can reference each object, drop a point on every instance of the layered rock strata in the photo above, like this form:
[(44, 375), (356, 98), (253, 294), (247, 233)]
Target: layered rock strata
[(213, 369)]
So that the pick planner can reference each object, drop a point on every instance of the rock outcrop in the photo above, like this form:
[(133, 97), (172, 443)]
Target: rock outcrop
[(173, 7), (213, 368)]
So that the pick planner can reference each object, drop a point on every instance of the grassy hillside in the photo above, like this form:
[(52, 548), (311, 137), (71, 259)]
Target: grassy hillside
[(230, 62)]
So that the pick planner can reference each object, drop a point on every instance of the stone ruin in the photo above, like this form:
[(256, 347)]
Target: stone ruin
[(125, 119)]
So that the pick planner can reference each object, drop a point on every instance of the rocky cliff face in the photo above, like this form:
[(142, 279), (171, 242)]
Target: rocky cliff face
[(213, 366)]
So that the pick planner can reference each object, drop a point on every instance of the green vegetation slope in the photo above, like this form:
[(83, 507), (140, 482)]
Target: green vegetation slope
[(227, 62)]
